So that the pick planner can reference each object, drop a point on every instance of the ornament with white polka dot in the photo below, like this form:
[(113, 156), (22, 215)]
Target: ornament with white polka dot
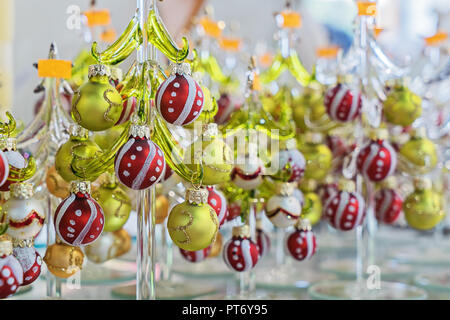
[(249, 174), (4, 168), (139, 163), (195, 256), (30, 261), (179, 99), (377, 160), (301, 243), (326, 191), (79, 219), (291, 163), (218, 202), (342, 103), (345, 209), (262, 239), (388, 205), (11, 275), (240, 253), (16, 161), (234, 210)]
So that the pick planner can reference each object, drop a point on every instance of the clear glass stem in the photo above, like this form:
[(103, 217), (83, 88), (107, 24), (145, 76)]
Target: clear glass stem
[(280, 257), (247, 279), (53, 283), (360, 249), (145, 277)]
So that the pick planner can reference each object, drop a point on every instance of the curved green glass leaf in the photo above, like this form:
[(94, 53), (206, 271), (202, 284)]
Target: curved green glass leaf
[(173, 153), (122, 48), (92, 169), (7, 128), (19, 175), (161, 39), (297, 69), (275, 70)]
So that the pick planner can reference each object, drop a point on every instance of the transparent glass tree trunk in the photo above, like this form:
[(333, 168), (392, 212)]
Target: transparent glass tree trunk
[(145, 277)]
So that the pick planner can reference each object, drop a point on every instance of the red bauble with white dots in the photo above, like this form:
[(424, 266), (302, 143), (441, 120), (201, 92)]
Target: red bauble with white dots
[(337, 145), (262, 241), (139, 163), (4, 168), (326, 191), (129, 106), (179, 99), (234, 210), (301, 244), (342, 103), (79, 219), (219, 203), (11, 275), (377, 160), (388, 205), (345, 210), (240, 253), (31, 262), (16, 160), (295, 161), (195, 256)]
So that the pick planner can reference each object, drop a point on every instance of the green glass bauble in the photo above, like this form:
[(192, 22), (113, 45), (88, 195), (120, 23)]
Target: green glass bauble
[(97, 105)]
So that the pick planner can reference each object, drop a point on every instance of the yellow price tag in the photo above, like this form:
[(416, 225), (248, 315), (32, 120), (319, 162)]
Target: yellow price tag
[(266, 59), (436, 39), (377, 31), (55, 69), (108, 35), (211, 27), (100, 17), (256, 85), (230, 44), (291, 19), (327, 52), (367, 8)]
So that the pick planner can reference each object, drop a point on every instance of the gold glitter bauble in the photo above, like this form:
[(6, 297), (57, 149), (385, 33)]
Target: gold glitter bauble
[(56, 185), (63, 260)]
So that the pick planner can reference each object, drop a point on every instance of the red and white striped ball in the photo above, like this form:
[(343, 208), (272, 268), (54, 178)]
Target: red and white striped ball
[(234, 210), (326, 191), (15, 160), (337, 145), (139, 163), (129, 106), (179, 99), (263, 242), (296, 161), (388, 205), (248, 175), (377, 160), (11, 276), (31, 262), (79, 219), (342, 103), (240, 254), (218, 202), (301, 244), (195, 256), (4, 168), (345, 210), (283, 211)]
